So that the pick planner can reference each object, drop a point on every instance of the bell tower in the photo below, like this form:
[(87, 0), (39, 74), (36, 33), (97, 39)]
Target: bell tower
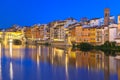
[(106, 16)]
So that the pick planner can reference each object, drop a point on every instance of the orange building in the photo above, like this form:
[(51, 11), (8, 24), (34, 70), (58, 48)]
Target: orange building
[(35, 32), (79, 34), (85, 35), (74, 31), (119, 25), (44, 33), (27, 32), (32, 32)]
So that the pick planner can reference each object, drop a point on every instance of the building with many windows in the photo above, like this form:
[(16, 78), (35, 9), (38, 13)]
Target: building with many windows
[(59, 31)]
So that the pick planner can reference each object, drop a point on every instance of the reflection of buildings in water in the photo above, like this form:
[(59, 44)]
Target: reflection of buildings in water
[(110, 67), (118, 69), (58, 57), (40, 53), (106, 68), (0, 50), (95, 59), (89, 60), (44, 53), (82, 59), (92, 59), (72, 58), (112, 63), (10, 46), (0, 62), (14, 52), (21, 52), (11, 71), (66, 67), (33, 53)]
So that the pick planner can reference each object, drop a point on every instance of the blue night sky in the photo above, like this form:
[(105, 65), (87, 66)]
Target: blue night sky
[(29, 12)]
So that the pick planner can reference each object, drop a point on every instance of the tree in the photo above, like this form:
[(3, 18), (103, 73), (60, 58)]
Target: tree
[(85, 46)]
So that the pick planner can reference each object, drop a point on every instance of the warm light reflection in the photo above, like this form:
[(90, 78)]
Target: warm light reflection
[(39, 50), (0, 51), (38, 55), (92, 61), (58, 52), (14, 51), (38, 60), (52, 51), (66, 67), (112, 63), (0, 63), (118, 69), (11, 71), (10, 49), (72, 54)]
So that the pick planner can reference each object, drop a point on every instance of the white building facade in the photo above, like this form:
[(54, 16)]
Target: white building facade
[(112, 32)]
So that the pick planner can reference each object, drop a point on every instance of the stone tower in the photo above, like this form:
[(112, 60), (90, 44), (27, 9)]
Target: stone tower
[(106, 16), (119, 22)]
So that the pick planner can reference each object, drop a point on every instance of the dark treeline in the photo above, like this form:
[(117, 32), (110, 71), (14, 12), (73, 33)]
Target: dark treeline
[(107, 47)]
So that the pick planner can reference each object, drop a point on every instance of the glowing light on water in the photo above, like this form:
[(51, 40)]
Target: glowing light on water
[(39, 50), (11, 71), (0, 51), (10, 49), (66, 67), (0, 63)]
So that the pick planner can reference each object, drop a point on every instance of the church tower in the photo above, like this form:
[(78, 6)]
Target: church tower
[(106, 16)]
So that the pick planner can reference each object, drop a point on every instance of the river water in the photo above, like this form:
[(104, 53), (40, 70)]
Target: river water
[(26, 62)]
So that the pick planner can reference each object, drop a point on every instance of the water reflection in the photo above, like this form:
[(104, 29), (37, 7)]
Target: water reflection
[(10, 49), (0, 63), (11, 71), (55, 63)]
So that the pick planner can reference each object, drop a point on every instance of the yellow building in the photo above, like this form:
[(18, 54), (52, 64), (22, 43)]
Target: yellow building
[(83, 34), (93, 35), (78, 33), (1, 33), (7, 36), (99, 36), (119, 25), (74, 32)]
